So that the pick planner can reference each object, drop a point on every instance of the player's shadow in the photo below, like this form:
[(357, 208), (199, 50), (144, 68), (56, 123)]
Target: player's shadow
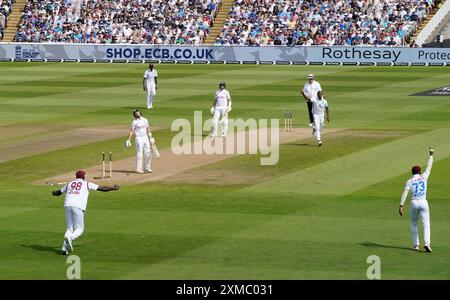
[(132, 108), (300, 145), (125, 171), (56, 250), (376, 245)]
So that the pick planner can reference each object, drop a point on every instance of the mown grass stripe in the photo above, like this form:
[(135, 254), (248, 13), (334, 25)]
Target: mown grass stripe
[(352, 172)]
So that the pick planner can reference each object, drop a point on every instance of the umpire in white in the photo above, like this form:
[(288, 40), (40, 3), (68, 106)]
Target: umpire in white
[(309, 92)]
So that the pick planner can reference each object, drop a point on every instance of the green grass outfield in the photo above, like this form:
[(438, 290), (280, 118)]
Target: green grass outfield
[(317, 214)]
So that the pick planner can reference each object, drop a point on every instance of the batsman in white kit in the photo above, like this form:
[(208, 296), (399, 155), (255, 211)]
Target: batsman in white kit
[(220, 109), (75, 203), (418, 185), (319, 109), (144, 142), (150, 84)]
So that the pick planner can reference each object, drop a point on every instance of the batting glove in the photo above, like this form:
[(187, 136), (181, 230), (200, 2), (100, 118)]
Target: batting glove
[(212, 110), (127, 143)]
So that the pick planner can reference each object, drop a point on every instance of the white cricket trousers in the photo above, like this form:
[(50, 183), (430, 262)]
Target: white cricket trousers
[(143, 145), (220, 112), (319, 122), (74, 222), (419, 208), (150, 94)]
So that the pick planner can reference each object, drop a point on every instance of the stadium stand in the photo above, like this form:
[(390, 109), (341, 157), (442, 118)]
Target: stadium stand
[(324, 22), (436, 25), (5, 11), (117, 21), (239, 22), (219, 20)]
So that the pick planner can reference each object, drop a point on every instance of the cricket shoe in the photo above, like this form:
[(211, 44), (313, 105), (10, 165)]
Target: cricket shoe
[(140, 172), (148, 171), (68, 241), (415, 248), (427, 248), (319, 143)]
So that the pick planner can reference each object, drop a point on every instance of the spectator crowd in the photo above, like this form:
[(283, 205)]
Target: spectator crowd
[(117, 21), (5, 11), (250, 22), (323, 22)]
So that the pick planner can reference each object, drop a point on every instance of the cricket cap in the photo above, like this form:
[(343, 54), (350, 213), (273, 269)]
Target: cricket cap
[(80, 174)]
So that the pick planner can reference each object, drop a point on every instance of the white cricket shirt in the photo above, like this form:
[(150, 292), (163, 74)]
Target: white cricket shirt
[(77, 193), (319, 106), (150, 76), (139, 127), (222, 97), (311, 90), (418, 185)]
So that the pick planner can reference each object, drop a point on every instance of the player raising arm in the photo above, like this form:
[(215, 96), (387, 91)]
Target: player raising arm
[(418, 185), (75, 203)]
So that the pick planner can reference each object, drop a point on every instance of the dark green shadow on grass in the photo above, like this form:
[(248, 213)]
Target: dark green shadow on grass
[(376, 245), (41, 248)]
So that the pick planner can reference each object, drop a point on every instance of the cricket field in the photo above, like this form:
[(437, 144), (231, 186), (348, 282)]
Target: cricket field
[(318, 213)]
